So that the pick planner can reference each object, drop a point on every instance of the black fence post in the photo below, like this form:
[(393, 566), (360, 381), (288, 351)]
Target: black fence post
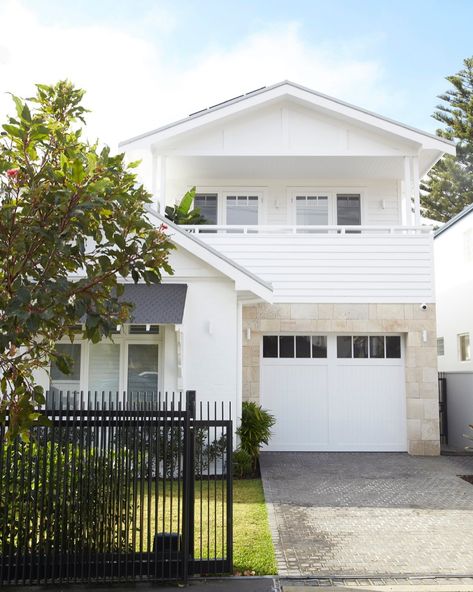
[(190, 408)]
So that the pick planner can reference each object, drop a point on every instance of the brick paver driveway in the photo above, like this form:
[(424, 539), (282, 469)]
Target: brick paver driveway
[(366, 514)]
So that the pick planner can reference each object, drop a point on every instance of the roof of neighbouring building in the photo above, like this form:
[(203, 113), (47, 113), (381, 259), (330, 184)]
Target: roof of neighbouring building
[(454, 220)]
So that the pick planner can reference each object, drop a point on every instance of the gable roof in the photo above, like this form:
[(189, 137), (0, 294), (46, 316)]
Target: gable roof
[(454, 220), (302, 93), (244, 279)]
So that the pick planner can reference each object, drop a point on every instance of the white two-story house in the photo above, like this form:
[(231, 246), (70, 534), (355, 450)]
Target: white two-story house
[(310, 290)]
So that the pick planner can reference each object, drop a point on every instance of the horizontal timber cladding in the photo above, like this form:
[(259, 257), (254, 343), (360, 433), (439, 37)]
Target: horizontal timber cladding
[(335, 267)]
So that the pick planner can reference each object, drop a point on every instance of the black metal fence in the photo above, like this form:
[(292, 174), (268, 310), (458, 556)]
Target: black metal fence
[(118, 488), (443, 419)]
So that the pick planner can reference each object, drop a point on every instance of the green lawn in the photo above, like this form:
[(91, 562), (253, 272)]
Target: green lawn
[(253, 548), (252, 545)]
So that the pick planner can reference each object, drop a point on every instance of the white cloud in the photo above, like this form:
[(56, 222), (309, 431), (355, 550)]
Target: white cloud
[(133, 86)]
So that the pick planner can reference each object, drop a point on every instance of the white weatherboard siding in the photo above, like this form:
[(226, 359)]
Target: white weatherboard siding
[(336, 267), (335, 404)]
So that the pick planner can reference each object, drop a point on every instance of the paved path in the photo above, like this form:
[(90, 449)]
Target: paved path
[(361, 514)]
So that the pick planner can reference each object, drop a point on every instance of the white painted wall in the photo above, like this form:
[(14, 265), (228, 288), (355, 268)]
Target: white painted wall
[(209, 335), (286, 127), (380, 199), (454, 290)]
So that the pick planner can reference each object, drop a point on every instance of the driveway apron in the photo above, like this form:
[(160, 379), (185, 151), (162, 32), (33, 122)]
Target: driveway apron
[(361, 514)]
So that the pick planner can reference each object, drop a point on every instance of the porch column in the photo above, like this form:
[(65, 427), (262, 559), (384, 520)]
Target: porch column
[(416, 187), (407, 191), (161, 182)]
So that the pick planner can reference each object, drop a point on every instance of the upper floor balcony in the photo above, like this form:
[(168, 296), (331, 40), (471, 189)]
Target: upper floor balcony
[(315, 263)]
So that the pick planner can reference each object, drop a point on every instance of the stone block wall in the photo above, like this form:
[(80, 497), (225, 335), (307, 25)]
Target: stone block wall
[(408, 319)]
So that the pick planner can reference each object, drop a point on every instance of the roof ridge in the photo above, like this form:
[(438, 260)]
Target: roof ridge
[(265, 89)]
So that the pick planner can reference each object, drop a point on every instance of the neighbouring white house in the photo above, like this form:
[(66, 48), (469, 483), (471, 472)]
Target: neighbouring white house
[(311, 288), (453, 248)]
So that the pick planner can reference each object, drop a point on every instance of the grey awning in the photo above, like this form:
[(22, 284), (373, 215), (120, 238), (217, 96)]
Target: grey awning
[(157, 303)]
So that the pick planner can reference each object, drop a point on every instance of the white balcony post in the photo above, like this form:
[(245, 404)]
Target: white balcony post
[(416, 183), (161, 170), (407, 190)]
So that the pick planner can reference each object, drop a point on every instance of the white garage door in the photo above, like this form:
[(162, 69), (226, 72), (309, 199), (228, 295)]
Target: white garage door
[(335, 392)]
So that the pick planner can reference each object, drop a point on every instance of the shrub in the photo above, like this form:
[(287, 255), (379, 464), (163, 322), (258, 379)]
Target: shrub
[(254, 430), (56, 512), (242, 464)]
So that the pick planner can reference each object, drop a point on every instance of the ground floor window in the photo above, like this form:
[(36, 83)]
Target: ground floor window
[(128, 362)]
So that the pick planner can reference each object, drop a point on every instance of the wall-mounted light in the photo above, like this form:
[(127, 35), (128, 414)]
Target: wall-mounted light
[(148, 328), (209, 328), (424, 335), (248, 333), (383, 204), (119, 328)]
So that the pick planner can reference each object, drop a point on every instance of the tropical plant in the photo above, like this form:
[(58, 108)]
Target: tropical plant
[(73, 221), (254, 430), (182, 213), (242, 464)]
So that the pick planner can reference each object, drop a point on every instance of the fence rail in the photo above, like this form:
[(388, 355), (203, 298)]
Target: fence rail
[(115, 489)]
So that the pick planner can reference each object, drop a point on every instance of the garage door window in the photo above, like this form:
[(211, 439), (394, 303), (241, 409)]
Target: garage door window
[(375, 346), (294, 346)]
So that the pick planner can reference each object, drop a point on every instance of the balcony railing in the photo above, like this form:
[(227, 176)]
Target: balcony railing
[(298, 229)]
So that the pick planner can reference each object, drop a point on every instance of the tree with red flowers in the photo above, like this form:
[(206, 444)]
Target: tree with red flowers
[(72, 222)]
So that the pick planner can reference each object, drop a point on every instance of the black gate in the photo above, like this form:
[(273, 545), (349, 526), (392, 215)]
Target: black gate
[(118, 488), (443, 420)]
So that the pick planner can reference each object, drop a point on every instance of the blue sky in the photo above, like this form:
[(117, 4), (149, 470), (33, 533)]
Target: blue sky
[(148, 62)]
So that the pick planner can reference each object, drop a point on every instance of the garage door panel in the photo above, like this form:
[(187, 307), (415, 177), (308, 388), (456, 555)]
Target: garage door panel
[(328, 403), (367, 409), (298, 396)]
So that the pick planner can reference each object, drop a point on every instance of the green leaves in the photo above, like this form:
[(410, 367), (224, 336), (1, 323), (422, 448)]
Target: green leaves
[(182, 214), (66, 211), (255, 429), (449, 187)]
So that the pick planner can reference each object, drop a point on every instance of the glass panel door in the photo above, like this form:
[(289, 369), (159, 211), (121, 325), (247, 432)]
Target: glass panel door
[(242, 209), (348, 209), (312, 210), (207, 204), (142, 372), (104, 368)]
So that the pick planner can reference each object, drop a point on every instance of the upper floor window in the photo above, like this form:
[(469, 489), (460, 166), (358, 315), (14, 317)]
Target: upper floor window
[(464, 347), (312, 210), (348, 209), (207, 204), (317, 208), (242, 209)]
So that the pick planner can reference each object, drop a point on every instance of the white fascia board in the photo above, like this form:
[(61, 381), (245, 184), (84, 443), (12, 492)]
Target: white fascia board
[(304, 95), (244, 279)]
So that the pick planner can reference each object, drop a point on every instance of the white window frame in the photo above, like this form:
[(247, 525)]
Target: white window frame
[(331, 193), (459, 338), (123, 339), (222, 193)]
